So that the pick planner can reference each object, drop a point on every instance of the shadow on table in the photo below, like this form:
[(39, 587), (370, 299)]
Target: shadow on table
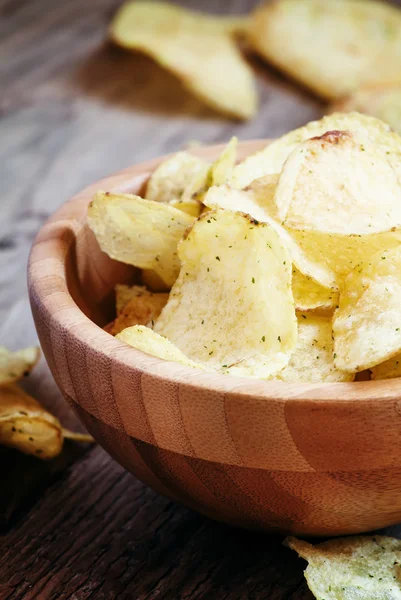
[(132, 80)]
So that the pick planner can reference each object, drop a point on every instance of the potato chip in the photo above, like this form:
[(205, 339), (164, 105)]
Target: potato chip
[(142, 308), (389, 369), (329, 258), (14, 365), (312, 360), (191, 207), (218, 172), (152, 343), (354, 568), (367, 324), (231, 307), (335, 46), (170, 179), (195, 47), (332, 183), (309, 295), (325, 258), (28, 427), (139, 232), (153, 282), (382, 101), (271, 159)]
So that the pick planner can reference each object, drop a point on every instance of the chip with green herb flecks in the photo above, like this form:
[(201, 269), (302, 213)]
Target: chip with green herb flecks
[(353, 568)]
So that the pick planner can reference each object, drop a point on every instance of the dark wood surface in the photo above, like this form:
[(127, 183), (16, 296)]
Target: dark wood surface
[(74, 108)]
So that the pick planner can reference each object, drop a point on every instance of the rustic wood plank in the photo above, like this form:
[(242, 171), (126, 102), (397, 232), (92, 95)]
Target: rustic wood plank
[(74, 108)]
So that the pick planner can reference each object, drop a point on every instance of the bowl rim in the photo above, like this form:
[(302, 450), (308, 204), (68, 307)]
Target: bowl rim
[(51, 295)]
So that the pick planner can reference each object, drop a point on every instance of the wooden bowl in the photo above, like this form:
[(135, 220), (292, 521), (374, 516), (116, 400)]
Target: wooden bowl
[(319, 459)]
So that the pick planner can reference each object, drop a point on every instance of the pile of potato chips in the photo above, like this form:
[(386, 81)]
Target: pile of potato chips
[(285, 266), (24, 423), (347, 51)]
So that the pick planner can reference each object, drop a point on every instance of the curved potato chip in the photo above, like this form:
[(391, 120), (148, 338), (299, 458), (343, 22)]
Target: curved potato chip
[(28, 427), (329, 258), (191, 207), (382, 101), (271, 159), (354, 568), (195, 47), (142, 308), (14, 365), (139, 232), (389, 369), (325, 258), (152, 343), (312, 360), (218, 172), (360, 42), (367, 324), (170, 179), (332, 183), (309, 295), (231, 307)]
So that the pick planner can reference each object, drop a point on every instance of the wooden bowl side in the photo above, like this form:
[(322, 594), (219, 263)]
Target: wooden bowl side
[(306, 458)]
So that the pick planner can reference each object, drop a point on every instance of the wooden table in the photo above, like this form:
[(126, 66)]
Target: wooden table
[(73, 109)]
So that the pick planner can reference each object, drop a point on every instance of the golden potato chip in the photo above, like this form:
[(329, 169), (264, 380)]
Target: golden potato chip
[(382, 101), (191, 207), (325, 258), (197, 48), (329, 258), (170, 179), (142, 308), (153, 282), (332, 183), (352, 568), (332, 46), (28, 427), (139, 232), (390, 369), (231, 307), (217, 173), (271, 159), (152, 343), (14, 365), (312, 360), (124, 293), (246, 201), (367, 324), (309, 295)]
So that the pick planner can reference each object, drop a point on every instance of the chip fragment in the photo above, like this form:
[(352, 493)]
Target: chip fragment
[(271, 159), (336, 45), (231, 308), (139, 232), (152, 343), (15, 365), (331, 184), (312, 360), (389, 369), (28, 427), (367, 324), (199, 49), (142, 308), (354, 568)]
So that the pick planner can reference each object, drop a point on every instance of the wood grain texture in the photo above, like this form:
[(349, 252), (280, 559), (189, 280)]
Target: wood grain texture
[(73, 109), (294, 458)]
